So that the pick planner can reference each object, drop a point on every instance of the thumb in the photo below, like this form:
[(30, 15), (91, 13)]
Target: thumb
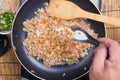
[(100, 54)]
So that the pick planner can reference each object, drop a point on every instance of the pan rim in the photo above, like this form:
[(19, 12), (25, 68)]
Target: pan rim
[(14, 48), (23, 64)]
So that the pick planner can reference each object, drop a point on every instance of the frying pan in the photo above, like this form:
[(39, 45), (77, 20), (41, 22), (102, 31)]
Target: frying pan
[(35, 67)]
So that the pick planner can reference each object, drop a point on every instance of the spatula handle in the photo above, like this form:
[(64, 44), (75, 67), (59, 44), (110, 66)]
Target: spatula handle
[(104, 19)]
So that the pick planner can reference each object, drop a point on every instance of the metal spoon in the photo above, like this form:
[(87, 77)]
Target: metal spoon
[(81, 35)]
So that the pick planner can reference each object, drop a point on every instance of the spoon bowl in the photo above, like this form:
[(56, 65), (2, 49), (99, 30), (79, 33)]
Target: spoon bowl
[(80, 35)]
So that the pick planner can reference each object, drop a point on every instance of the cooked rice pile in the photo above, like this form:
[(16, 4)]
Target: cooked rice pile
[(48, 38)]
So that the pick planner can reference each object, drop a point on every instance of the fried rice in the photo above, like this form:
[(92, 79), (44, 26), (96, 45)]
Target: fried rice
[(48, 39)]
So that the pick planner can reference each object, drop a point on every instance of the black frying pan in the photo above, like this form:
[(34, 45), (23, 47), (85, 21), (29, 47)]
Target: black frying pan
[(37, 68)]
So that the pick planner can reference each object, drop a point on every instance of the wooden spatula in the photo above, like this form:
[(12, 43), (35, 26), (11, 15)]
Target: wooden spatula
[(67, 10)]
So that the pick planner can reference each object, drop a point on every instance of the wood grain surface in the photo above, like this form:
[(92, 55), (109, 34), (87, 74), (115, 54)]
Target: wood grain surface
[(10, 69), (112, 8)]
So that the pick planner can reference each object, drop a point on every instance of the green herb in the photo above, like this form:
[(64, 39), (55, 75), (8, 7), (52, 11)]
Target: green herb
[(6, 20)]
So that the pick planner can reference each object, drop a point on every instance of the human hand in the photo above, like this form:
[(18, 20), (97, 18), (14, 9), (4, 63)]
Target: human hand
[(102, 68)]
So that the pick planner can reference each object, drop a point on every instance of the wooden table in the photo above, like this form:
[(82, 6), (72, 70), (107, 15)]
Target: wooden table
[(10, 69)]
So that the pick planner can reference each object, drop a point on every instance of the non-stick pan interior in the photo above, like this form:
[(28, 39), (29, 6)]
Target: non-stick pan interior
[(37, 68)]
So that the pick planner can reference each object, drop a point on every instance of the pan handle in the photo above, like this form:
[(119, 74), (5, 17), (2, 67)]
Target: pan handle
[(4, 48)]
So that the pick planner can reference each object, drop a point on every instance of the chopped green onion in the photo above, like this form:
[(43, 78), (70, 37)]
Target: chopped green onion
[(6, 20)]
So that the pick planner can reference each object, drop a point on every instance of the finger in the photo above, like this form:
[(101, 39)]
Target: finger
[(113, 48), (99, 57), (91, 73), (108, 42)]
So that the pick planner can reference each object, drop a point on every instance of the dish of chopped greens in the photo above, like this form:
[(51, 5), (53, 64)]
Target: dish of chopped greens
[(6, 20)]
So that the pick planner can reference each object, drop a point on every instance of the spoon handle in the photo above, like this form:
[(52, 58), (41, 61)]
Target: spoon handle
[(93, 41), (102, 18)]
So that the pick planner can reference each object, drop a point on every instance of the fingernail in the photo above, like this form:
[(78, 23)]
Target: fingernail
[(107, 63), (99, 39), (101, 45)]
